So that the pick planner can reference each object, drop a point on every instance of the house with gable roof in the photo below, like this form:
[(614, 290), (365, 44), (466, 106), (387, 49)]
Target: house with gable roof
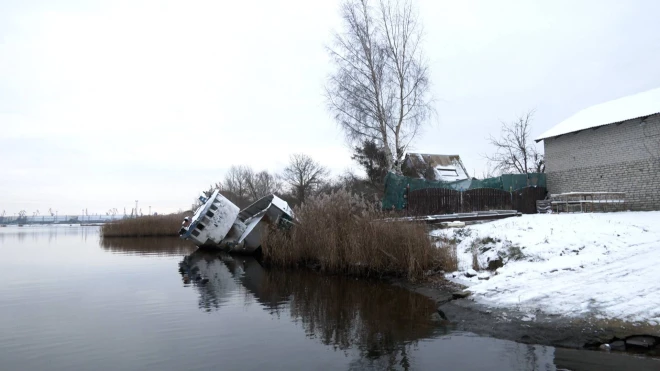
[(610, 147)]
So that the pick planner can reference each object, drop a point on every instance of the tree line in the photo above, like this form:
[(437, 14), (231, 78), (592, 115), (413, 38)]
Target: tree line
[(303, 177)]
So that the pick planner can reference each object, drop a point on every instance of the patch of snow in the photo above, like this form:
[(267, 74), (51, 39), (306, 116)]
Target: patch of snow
[(600, 264), (622, 109), (528, 317)]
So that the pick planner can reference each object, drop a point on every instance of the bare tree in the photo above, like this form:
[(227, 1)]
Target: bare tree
[(304, 175), (242, 185), (515, 151), (380, 89), (235, 180), (261, 184), (235, 185)]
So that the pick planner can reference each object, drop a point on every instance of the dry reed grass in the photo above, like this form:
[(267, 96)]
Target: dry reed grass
[(340, 233), (448, 257), (144, 226), (447, 251)]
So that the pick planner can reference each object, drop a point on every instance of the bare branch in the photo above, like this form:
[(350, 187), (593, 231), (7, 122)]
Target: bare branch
[(380, 90), (243, 186), (514, 151), (304, 175)]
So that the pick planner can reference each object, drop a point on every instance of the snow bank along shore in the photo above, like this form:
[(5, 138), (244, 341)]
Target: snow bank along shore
[(603, 265)]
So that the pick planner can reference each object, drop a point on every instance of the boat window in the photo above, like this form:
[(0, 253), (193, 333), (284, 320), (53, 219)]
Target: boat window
[(210, 214), (200, 226), (195, 233), (214, 208)]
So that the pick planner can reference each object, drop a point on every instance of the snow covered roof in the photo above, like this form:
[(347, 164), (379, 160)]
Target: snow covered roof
[(447, 168), (627, 108)]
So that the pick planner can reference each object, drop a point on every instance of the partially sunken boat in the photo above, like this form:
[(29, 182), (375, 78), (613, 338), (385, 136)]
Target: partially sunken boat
[(221, 224)]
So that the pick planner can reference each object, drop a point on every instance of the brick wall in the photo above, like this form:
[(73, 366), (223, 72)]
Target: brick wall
[(618, 158)]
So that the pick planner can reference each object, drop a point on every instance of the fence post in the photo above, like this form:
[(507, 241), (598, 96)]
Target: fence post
[(511, 195), (460, 202)]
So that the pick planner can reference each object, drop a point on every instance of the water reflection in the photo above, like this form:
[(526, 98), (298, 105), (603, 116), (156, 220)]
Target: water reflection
[(199, 267), (378, 320), (165, 246), (34, 233)]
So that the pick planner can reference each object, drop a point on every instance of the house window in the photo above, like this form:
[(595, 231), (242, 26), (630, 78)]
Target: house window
[(445, 172)]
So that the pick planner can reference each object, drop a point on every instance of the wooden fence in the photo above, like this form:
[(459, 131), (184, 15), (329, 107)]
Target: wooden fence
[(430, 201)]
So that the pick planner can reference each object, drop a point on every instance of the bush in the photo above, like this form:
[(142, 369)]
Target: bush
[(341, 233), (512, 252), (144, 226)]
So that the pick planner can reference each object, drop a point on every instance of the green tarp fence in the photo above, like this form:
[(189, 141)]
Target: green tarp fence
[(395, 185)]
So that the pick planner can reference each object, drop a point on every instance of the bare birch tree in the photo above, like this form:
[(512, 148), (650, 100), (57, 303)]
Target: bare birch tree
[(515, 151), (304, 175), (380, 89)]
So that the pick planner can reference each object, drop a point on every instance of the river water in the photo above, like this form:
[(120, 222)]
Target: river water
[(70, 300)]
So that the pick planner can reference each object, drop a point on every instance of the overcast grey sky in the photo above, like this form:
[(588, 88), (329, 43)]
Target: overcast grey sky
[(103, 102)]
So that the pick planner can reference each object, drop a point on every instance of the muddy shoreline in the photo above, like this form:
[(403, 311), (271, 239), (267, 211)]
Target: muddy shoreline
[(464, 314)]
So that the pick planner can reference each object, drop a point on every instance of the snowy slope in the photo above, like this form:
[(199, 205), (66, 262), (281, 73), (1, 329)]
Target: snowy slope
[(626, 108), (606, 265)]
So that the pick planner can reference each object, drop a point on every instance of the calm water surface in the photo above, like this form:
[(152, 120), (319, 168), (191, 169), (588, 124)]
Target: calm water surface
[(71, 301)]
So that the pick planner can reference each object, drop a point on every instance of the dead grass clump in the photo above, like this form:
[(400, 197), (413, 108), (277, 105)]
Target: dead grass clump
[(448, 257), (474, 247), (340, 233), (144, 226)]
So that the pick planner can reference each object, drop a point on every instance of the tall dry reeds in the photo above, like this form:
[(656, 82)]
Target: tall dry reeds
[(341, 233), (448, 256), (144, 226)]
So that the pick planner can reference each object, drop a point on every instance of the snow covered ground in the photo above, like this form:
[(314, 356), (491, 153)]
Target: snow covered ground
[(605, 265)]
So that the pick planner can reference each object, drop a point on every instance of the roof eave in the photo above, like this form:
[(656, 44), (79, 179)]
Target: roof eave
[(597, 126)]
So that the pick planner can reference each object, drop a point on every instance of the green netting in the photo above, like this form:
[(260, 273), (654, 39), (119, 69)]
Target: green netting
[(395, 185), (512, 182)]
